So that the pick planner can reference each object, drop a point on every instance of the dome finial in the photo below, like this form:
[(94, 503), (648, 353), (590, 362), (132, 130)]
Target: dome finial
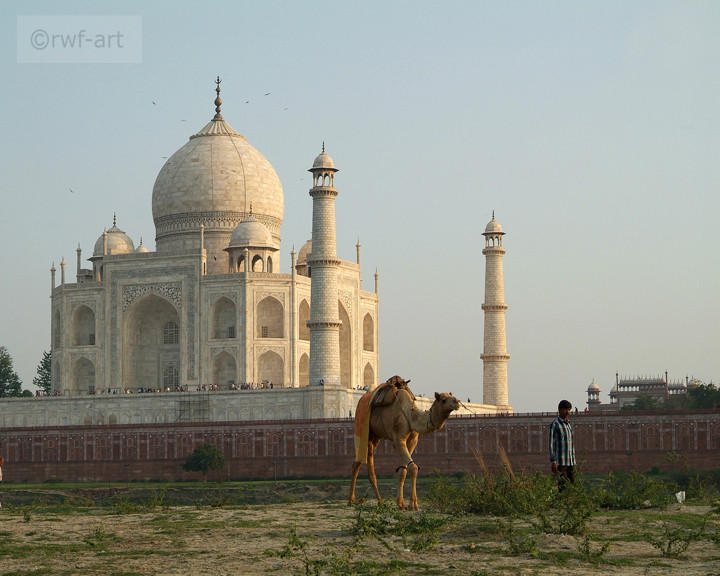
[(323, 150), (493, 215), (114, 218), (218, 101)]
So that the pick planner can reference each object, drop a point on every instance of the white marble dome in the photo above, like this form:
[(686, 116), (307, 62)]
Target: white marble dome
[(304, 252), (214, 180), (251, 233), (117, 243), (493, 227), (323, 161)]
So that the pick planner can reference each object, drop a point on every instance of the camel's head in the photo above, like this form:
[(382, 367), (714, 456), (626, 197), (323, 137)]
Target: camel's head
[(398, 381), (446, 403)]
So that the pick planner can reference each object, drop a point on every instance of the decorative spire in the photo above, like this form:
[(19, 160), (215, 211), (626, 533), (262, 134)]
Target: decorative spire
[(493, 215), (114, 219), (323, 149), (218, 101)]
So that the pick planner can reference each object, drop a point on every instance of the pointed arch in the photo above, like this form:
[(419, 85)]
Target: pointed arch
[(150, 341), (304, 318), (57, 330), (650, 436), (224, 371), (271, 368), (82, 327), (345, 347), (368, 376), (368, 333), (304, 370), (270, 318), (223, 319), (257, 264), (82, 380)]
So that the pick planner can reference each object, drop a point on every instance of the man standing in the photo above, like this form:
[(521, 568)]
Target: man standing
[(562, 447)]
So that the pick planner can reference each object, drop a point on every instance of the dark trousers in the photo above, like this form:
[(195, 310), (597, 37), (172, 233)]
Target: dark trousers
[(566, 474)]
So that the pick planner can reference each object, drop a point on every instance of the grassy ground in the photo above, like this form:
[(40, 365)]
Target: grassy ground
[(305, 527)]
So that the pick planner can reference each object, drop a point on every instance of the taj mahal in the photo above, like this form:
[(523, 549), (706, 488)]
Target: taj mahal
[(207, 327)]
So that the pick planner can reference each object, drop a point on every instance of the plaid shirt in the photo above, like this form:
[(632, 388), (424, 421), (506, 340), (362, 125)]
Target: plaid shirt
[(562, 447)]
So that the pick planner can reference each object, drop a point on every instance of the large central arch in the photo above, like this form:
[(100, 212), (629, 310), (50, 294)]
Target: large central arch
[(151, 342)]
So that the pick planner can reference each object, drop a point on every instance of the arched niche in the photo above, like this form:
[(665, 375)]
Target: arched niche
[(150, 342), (224, 370), (82, 380), (304, 318), (271, 368), (82, 327), (223, 319), (368, 376), (368, 333), (304, 370), (270, 318)]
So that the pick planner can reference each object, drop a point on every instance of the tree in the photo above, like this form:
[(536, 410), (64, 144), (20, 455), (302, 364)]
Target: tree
[(644, 402), (203, 459), (704, 396), (10, 384), (43, 380)]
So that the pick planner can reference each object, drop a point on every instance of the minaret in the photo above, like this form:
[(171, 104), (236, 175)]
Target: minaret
[(495, 356), (324, 323), (79, 264)]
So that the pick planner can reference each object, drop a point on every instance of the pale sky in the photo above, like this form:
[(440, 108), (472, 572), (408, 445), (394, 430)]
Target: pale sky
[(592, 129)]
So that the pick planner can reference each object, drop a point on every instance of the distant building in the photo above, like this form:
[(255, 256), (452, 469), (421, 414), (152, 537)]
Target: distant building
[(627, 390)]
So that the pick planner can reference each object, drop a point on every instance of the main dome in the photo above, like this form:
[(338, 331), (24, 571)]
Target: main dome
[(215, 180)]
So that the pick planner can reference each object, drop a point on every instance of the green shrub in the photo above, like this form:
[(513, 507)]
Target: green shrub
[(632, 491)]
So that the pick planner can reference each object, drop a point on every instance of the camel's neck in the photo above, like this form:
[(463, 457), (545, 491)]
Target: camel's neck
[(425, 421)]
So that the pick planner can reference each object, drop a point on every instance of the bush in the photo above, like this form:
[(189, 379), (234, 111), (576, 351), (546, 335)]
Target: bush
[(632, 491)]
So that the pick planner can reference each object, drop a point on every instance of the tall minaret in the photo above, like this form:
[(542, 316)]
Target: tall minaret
[(323, 265), (495, 356)]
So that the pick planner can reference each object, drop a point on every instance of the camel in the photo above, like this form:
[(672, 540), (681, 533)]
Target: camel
[(401, 422)]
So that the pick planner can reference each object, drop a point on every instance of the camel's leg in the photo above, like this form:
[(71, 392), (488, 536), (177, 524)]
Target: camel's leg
[(355, 471), (413, 469), (371, 471), (401, 487), (402, 449)]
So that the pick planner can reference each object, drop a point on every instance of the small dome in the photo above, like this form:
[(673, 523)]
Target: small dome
[(117, 243), (493, 227), (142, 248), (323, 161), (593, 387), (251, 233), (305, 251)]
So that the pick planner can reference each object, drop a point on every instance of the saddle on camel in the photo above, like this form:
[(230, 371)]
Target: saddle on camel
[(389, 412)]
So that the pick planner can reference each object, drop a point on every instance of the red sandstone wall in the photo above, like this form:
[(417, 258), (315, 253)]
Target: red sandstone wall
[(618, 441)]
